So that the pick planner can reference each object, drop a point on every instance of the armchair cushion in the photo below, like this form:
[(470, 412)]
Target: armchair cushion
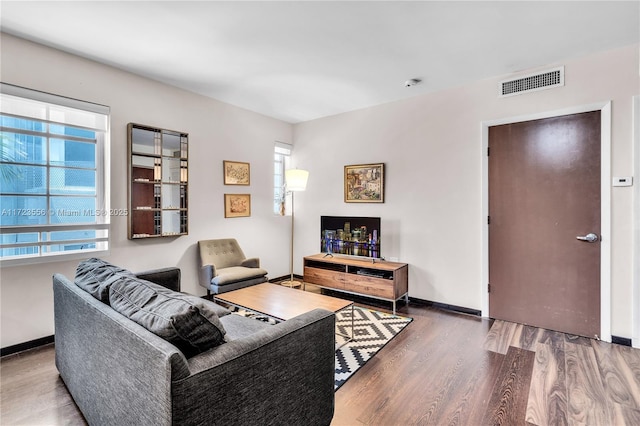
[(235, 274), (221, 253)]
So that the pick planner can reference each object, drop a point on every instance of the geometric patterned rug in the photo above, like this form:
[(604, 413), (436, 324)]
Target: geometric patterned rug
[(372, 330)]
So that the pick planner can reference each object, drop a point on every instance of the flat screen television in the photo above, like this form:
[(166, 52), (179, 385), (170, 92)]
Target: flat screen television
[(350, 235)]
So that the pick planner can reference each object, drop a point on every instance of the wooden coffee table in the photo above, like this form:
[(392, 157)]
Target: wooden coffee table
[(284, 303)]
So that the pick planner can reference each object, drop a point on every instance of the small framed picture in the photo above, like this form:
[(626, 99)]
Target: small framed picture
[(364, 183), (236, 173), (237, 205)]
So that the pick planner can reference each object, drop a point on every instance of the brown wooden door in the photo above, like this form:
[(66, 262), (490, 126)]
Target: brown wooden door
[(544, 191)]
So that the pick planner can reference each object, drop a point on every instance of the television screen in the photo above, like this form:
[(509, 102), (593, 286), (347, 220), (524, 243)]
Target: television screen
[(350, 235)]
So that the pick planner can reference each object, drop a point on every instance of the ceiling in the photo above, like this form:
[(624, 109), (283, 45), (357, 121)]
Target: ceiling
[(301, 60)]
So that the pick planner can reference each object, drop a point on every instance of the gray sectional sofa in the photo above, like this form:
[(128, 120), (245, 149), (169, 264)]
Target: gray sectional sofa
[(134, 352)]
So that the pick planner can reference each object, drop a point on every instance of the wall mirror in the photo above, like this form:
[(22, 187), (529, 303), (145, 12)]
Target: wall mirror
[(158, 172)]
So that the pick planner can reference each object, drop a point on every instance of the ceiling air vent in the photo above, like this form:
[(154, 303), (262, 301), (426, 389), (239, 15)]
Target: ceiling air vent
[(532, 82)]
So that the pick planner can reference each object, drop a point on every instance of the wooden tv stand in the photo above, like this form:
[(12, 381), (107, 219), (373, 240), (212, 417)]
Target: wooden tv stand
[(378, 279)]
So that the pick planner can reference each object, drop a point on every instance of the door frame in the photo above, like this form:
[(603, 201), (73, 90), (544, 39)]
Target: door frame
[(636, 207), (605, 206)]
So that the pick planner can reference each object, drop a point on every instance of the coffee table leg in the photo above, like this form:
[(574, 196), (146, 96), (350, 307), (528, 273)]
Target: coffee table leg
[(352, 320)]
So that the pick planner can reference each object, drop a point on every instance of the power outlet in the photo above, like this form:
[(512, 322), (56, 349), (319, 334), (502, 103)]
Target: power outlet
[(393, 259)]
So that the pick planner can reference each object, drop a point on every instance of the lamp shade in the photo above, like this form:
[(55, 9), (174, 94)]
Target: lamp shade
[(296, 179)]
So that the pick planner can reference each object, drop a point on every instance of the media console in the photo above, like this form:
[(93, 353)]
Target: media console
[(378, 279)]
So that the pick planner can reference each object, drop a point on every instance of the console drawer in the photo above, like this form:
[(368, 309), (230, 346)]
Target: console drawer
[(324, 277), (378, 287)]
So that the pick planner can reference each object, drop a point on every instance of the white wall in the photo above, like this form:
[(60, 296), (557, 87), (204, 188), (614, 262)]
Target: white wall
[(431, 144), (217, 132)]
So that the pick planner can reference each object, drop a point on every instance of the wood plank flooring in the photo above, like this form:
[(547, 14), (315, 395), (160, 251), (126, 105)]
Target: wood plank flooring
[(448, 368), (443, 369)]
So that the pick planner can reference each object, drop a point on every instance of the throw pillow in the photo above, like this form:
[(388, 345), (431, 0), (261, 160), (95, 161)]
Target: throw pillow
[(184, 320), (95, 276)]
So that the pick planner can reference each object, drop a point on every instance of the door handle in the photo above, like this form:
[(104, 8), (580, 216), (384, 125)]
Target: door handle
[(590, 238)]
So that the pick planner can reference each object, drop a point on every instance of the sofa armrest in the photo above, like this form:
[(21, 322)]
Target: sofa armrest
[(207, 272), (166, 277), (252, 262), (292, 362)]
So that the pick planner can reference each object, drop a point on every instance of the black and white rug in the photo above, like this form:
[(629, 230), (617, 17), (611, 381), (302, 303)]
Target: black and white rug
[(371, 329)]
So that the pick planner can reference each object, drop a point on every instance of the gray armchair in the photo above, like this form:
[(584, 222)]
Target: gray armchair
[(224, 267)]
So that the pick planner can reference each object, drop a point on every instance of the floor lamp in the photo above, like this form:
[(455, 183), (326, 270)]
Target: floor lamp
[(295, 180)]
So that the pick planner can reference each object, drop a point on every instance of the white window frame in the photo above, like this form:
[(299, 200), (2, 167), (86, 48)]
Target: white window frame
[(281, 160), (84, 110)]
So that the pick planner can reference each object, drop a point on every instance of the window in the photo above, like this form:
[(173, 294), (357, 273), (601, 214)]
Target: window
[(54, 197), (281, 155)]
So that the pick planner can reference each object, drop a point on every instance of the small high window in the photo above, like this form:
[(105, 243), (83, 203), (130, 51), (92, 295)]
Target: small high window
[(281, 156)]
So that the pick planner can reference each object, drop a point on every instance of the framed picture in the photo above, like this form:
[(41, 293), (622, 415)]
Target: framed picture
[(236, 173), (237, 205), (364, 183)]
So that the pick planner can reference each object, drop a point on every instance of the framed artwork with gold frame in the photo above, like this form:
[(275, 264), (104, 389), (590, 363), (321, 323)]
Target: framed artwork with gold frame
[(364, 183), (236, 173), (237, 205)]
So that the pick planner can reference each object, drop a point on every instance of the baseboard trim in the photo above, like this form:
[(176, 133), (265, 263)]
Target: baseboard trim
[(32, 344), (454, 308), (621, 340), (372, 301)]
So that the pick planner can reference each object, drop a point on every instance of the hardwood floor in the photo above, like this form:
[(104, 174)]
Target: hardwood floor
[(443, 369), (32, 392)]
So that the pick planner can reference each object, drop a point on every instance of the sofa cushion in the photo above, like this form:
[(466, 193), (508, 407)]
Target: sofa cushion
[(95, 276), (220, 311), (186, 321), (238, 326)]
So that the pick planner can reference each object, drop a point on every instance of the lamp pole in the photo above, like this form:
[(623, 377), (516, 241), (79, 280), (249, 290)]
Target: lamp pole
[(291, 281), (296, 180)]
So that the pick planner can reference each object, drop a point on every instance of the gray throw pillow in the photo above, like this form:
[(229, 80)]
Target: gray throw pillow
[(184, 320), (95, 276)]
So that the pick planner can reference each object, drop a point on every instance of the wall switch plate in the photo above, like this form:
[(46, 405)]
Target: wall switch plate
[(623, 181)]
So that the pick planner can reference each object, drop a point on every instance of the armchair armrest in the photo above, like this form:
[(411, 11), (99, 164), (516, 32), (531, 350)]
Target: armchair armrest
[(207, 272), (252, 262), (166, 277)]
